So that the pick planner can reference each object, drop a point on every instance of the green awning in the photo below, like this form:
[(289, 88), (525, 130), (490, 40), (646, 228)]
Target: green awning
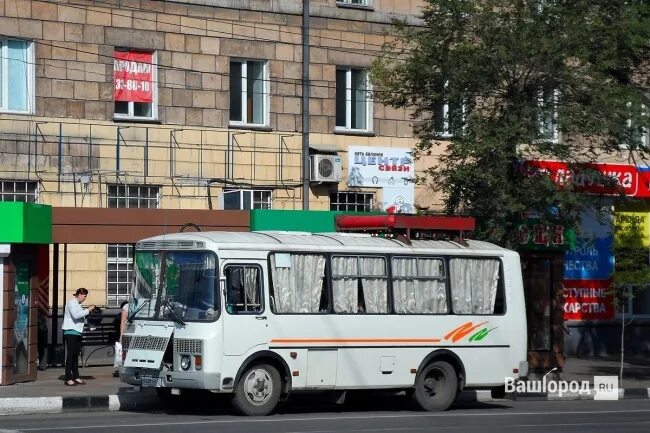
[(25, 223)]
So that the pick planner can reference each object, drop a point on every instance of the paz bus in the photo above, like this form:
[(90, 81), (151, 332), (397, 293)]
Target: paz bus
[(261, 315)]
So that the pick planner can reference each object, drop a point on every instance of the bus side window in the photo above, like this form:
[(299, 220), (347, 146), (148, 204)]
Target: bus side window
[(243, 289)]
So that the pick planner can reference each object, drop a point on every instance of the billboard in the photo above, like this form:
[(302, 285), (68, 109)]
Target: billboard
[(388, 168), (588, 300)]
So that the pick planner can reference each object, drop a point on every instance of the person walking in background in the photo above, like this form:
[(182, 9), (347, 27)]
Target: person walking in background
[(42, 338), (73, 327)]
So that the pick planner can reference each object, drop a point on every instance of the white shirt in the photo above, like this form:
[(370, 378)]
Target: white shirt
[(73, 316)]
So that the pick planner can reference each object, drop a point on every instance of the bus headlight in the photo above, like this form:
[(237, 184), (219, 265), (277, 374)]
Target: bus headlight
[(185, 362)]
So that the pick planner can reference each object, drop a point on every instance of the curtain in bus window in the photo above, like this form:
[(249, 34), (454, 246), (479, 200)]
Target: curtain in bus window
[(424, 295), (374, 284), (251, 286), (473, 285), (432, 292), (404, 286), (298, 288), (344, 284)]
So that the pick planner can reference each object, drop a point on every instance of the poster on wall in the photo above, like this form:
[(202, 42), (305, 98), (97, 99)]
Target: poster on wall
[(388, 168), (133, 74), (588, 300), (593, 257), (21, 326)]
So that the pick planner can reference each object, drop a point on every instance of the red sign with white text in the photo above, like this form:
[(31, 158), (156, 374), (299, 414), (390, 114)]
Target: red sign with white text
[(133, 76), (588, 300), (629, 180)]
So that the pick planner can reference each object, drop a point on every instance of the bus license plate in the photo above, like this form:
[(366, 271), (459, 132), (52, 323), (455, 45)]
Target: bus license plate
[(151, 381)]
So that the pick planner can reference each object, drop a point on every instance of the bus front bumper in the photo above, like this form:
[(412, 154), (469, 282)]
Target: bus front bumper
[(170, 379)]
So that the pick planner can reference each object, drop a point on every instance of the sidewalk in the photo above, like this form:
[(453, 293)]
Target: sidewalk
[(48, 394), (105, 392)]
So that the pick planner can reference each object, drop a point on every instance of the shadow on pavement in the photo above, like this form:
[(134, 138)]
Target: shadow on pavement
[(206, 403)]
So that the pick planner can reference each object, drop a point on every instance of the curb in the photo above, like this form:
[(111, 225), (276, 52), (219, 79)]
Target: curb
[(97, 403)]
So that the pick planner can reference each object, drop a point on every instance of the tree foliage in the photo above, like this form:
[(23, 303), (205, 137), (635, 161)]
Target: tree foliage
[(511, 73)]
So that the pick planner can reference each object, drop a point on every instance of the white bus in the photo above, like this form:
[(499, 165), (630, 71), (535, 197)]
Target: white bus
[(261, 315)]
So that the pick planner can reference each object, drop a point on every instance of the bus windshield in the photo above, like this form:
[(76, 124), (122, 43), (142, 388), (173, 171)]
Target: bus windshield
[(174, 285)]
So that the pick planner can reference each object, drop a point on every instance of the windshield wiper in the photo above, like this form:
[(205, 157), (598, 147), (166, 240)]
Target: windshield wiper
[(172, 313), (132, 316)]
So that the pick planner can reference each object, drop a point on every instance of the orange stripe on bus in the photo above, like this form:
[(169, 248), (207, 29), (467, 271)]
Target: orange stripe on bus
[(356, 340)]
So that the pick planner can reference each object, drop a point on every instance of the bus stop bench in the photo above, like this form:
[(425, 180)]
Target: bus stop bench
[(96, 338)]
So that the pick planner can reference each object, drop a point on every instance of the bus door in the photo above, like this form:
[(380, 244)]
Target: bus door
[(246, 323)]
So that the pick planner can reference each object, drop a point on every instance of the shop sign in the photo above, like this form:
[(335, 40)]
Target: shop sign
[(588, 300), (387, 168), (533, 235), (133, 73), (588, 177)]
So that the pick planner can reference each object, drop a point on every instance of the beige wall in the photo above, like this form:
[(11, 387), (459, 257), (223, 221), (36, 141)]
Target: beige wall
[(74, 46)]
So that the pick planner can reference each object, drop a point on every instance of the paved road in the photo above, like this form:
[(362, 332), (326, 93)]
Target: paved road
[(306, 417)]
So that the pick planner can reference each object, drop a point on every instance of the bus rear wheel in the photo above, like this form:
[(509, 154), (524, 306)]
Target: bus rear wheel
[(258, 390), (435, 386)]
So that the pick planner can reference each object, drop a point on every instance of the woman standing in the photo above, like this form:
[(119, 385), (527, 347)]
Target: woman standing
[(73, 327)]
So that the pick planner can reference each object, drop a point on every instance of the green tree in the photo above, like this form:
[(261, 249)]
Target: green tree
[(495, 82)]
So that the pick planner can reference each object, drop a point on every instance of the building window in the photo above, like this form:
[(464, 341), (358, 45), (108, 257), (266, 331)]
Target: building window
[(354, 2), (352, 201), (244, 199), (119, 272), (119, 257), (636, 304), (249, 90), (135, 84), (353, 100), (638, 134), (547, 105), (133, 196), (449, 117), (17, 76), (19, 190)]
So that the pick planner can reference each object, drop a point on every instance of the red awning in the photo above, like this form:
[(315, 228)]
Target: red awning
[(413, 222)]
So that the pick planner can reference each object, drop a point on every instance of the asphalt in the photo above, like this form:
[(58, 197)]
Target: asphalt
[(104, 392)]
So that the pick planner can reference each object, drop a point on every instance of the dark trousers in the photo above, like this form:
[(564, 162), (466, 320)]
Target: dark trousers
[(42, 345), (72, 349)]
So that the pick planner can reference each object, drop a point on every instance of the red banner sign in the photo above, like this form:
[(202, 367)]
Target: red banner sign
[(133, 76), (629, 180), (588, 300)]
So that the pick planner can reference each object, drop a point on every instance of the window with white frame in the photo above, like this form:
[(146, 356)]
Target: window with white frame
[(355, 2), (353, 100), (448, 115), (119, 272), (133, 196), (249, 92), (638, 130), (119, 257), (352, 201), (17, 76), (547, 101), (19, 190), (135, 84), (243, 199)]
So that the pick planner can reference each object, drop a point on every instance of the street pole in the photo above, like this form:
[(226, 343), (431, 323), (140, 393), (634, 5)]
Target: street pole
[(305, 104)]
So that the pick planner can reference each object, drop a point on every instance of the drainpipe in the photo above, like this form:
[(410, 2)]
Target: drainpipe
[(305, 104)]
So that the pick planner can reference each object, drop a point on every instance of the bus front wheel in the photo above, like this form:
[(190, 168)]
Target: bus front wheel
[(435, 386), (258, 390)]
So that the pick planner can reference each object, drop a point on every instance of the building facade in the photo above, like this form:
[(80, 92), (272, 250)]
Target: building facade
[(196, 105)]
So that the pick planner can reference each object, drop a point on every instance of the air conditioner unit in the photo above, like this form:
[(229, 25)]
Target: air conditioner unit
[(325, 168)]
